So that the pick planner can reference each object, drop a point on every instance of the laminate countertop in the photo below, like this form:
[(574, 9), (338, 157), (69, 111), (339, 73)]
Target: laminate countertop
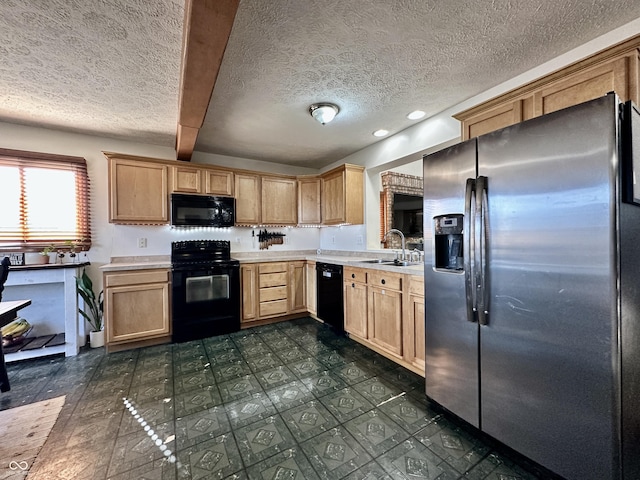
[(350, 259)]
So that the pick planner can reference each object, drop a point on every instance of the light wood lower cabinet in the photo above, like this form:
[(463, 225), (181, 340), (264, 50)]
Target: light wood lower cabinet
[(249, 285), (414, 321), (272, 289), (297, 287), (355, 301), (310, 269), (136, 306), (385, 312)]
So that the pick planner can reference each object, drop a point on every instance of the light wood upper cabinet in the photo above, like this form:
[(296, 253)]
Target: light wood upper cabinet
[(497, 118), (343, 195), (195, 179), (138, 191), (309, 207), (186, 179), (592, 83), (616, 69), (279, 201), (247, 193), (136, 305), (218, 182)]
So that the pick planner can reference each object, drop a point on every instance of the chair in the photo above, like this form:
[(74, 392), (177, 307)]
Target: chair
[(4, 273)]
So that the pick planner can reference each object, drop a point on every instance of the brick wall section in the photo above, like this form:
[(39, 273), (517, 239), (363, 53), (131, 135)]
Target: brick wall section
[(393, 182)]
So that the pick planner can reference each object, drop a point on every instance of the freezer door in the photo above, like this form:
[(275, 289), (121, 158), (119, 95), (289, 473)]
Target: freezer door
[(548, 349), (451, 339)]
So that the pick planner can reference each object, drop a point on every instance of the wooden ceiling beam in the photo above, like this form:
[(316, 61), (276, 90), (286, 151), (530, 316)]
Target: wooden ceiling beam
[(207, 26)]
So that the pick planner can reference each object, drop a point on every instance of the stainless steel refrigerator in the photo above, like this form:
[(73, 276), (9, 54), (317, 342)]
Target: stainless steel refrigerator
[(532, 287)]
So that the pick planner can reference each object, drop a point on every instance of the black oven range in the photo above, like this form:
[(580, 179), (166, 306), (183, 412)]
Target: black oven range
[(205, 289)]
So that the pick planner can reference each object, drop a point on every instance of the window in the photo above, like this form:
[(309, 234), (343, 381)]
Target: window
[(44, 200)]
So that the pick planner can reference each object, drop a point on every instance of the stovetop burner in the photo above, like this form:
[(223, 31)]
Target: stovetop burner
[(201, 252)]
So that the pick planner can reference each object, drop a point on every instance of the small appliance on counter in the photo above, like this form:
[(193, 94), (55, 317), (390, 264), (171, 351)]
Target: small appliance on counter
[(205, 289)]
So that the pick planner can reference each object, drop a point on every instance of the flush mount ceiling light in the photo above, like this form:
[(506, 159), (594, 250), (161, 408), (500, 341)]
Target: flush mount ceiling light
[(323, 112), (416, 114), (380, 133)]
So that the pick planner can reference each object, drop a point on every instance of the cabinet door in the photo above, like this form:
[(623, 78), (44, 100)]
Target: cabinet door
[(137, 312), (186, 179), (312, 292), (297, 287), (279, 201), (592, 83), (138, 192), (343, 195), (385, 319), (309, 208), (355, 308), (496, 118), (249, 282), (333, 201), (218, 182), (414, 332), (247, 192)]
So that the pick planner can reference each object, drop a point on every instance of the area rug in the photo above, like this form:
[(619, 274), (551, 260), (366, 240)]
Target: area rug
[(23, 431)]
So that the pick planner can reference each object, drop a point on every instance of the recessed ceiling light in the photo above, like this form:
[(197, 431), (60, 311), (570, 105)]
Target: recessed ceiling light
[(381, 133), (416, 114)]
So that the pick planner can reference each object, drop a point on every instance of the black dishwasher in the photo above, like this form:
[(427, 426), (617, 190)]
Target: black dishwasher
[(330, 304)]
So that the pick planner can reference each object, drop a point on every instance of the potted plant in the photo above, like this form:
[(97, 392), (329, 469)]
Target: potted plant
[(45, 253), (93, 309)]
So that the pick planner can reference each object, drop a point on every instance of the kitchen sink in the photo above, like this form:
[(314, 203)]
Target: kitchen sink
[(378, 260)]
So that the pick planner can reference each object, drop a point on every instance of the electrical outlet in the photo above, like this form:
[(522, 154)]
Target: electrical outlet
[(359, 240), (142, 242), (237, 239), (333, 239)]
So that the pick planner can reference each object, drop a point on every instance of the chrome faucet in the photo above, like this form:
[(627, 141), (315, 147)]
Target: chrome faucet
[(395, 230)]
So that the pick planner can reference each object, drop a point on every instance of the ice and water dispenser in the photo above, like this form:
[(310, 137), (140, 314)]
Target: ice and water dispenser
[(448, 242)]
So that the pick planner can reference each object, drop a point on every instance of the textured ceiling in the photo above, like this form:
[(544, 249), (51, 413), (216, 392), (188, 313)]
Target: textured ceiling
[(112, 67), (109, 67)]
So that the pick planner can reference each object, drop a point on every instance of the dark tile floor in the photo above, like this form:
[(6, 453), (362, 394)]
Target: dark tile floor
[(285, 401)]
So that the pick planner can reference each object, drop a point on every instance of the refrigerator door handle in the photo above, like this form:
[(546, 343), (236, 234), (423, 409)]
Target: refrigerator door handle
[(468, 249), (481, 249)]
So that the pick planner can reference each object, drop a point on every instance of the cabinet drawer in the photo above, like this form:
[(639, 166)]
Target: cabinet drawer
[(273, 279), (416, 285), (351, 274), (384, 279), (276, 307), (136, 278), (273, 293), (273, 267)]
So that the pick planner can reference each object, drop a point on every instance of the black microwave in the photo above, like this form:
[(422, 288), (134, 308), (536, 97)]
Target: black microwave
[(202, 211)]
